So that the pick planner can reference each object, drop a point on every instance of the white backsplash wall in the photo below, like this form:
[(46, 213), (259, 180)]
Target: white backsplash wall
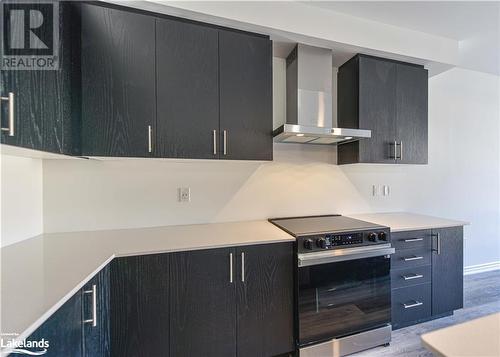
[(21, 199), (461, 181)]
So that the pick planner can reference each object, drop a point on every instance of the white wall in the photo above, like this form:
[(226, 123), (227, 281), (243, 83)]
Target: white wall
[(461, 181), (21, 199)]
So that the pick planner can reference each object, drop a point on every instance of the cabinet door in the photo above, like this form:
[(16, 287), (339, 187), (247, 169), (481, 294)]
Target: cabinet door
[(139, 306), (246, 113), (96, 338), (203, 304), (377, 109), (63, 330), (447, 270), (265, 300), (44, 118), (118, 82), (411, 99), (188, 93)]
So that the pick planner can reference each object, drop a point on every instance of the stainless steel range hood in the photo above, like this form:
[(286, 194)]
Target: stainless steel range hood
[(309, 100)]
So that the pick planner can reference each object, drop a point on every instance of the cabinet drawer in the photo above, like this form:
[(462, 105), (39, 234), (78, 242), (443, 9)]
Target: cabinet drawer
[(411, 239), (410, 276), (408, 258), (411, 304)]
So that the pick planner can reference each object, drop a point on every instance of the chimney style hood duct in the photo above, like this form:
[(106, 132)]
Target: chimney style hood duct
[(309, 100)]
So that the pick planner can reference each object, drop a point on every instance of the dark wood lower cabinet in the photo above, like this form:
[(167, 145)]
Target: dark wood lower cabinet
[(217, 302), (71, 331), (96, 336), (265, 300), (139, 306), (430, 284), (203, 304), (447, 270), (63, 330)]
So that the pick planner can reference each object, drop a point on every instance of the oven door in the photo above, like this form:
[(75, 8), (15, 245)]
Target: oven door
[(343, 291)]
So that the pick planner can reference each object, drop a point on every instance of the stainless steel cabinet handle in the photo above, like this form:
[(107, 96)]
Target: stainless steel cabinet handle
[(438, 243), (413, 240), (414, 304), (150, 138), (224, 134), (93, 320), (242, 267), (231, 268), (411, 277), (10, 99), (401, 150), (415, 257), (394, 146), (214, 138)]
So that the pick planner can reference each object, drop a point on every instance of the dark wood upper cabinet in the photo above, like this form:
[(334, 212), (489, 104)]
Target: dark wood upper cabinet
[(118, 82), (46, 102), (245, 96), (138, 84), (265, 300), (412, 123), (187, 73), (390, 99), (203, 304), (447, 270)]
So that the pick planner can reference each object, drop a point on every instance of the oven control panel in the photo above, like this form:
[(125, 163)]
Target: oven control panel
[(342, 240)]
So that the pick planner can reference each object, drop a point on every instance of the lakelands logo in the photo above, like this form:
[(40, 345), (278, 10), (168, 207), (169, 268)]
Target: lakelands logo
[(30, 35), (24, 347)]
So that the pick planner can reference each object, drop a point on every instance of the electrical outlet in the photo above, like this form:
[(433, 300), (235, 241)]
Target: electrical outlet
[(184, 194)]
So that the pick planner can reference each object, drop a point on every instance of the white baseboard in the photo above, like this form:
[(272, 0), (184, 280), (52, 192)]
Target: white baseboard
[(481, 268)]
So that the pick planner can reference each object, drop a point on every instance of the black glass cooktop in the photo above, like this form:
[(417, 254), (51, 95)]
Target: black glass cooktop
[(298, 226)]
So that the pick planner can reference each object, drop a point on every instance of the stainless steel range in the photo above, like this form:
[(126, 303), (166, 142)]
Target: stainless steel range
[(343, 292)]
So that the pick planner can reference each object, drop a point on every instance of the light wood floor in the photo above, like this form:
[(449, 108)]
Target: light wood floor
[(481, 297)]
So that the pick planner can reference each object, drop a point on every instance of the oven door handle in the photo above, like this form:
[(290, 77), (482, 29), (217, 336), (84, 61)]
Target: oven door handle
[(339, 255)]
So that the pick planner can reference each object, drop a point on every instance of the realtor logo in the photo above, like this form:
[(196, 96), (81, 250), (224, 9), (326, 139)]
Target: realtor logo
[(30, 39)]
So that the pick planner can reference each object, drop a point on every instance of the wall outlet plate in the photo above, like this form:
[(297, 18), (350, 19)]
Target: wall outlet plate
[(184, 194)]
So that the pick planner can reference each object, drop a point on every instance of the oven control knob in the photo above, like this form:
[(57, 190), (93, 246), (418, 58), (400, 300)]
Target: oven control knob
[(321, 242), (372, 237), (308, 244), (382, 236)]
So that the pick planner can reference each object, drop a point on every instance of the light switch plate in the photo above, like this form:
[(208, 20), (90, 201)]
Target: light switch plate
[(184, 194)]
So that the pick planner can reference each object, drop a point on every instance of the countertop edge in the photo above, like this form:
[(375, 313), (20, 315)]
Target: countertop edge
[(42, 319)]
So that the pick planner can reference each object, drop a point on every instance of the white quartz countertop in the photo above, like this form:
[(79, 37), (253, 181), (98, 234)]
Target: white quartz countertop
[(38, 275), (402, 221), (480, 337)]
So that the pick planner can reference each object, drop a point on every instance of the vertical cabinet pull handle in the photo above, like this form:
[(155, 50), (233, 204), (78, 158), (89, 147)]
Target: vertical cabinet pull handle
[(10, 127), (231, 268), (395, 150), (243, 267), (401, 150), (150, 138), (224, 134), (438, 243), (93, 320), (214, 138)]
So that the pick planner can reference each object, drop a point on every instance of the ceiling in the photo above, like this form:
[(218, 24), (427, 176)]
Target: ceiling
[(475, 24), (452, 19)]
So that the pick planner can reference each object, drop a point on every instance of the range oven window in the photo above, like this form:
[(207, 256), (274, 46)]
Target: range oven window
[(341, 298)]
